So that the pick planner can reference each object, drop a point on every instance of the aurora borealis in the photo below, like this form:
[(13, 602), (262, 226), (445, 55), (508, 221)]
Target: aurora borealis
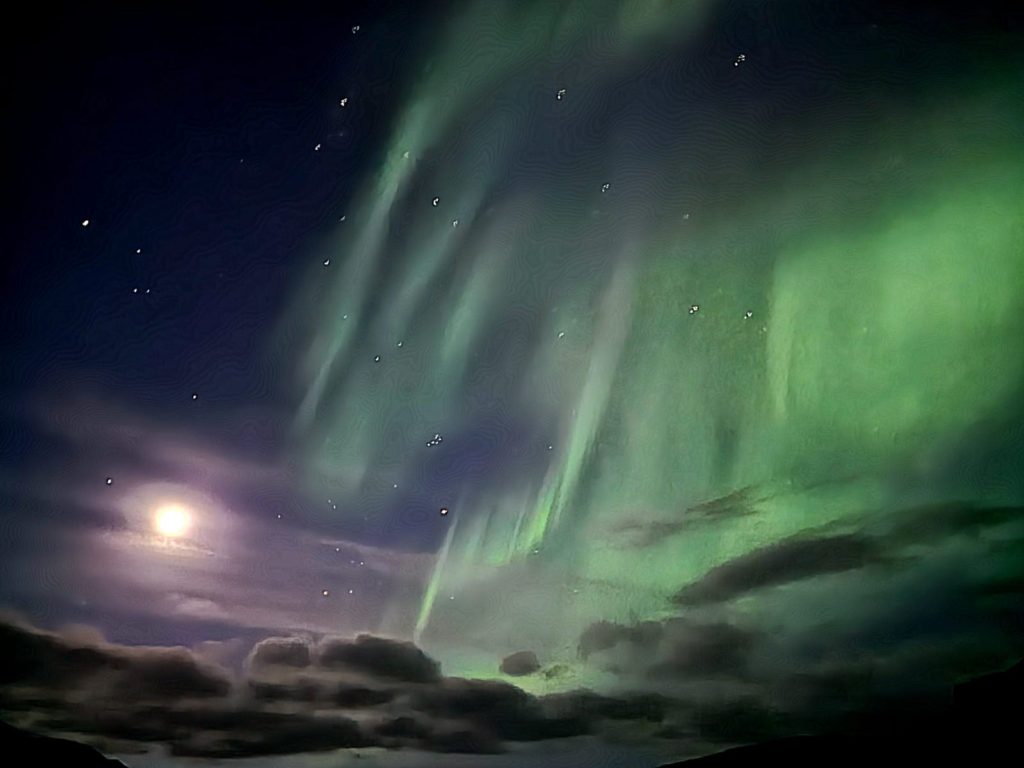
[(700, 320)]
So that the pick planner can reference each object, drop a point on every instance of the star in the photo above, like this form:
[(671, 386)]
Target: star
[(435, 201), (325, 592), (85, 222), (444, 511), (344, 101), (110, 481), (195, 395)]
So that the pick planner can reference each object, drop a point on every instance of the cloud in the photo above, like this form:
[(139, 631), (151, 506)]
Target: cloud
[(264, 733), (603, 635), (790, 560), (281, 651), (215, 732), (77, 683), (351, 696), (702, 651), (302, 690), (379, 657), (520, 663), (587, 706), (296, 695), (739, 503), (493, 706), (36, 659), (674, 648), (93, 422), (937, 522)]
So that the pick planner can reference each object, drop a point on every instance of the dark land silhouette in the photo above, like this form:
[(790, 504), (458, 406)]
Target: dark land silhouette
[(23, 749), (979, 727)]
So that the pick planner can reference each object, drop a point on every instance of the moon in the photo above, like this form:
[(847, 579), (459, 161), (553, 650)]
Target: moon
[(172, 520)]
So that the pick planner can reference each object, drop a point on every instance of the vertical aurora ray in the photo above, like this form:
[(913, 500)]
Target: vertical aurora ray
[(560, 486), (430, 594)]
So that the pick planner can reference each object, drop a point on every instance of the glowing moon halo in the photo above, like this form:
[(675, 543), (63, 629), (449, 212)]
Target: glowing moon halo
[(172, 520)]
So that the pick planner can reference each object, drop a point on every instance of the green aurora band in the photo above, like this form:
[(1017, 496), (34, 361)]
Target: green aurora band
[(855, 351)]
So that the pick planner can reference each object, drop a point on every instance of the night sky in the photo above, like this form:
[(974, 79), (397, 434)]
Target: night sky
[(349, 349)]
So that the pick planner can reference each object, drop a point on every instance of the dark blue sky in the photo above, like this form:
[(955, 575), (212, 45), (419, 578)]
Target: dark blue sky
[(189, 135)]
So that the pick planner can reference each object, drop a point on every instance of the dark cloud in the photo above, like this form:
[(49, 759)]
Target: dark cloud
[(300, 690), (299, 709), (359, 696), (587, 706), (783, 562), (675, 648), (280, 735), (37, 659), (405, 728), (520, 663), (603, 635), (701, 651), (555, 671), (164, 674), (938, 522), (379, 657), (281, 651), (739, 503), (216, 732), (497, 708), (138, 695)]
